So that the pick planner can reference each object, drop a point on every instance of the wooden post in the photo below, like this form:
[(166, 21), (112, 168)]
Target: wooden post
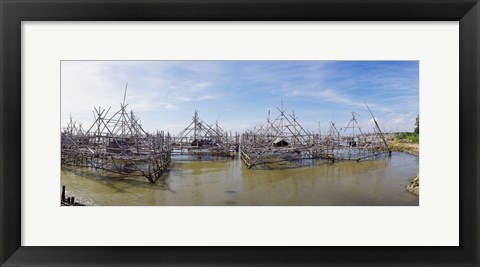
[(63, 192)]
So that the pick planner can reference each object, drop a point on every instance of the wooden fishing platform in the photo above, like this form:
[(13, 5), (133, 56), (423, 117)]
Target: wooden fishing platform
[(284, 139), (200, 138), (117, 144)]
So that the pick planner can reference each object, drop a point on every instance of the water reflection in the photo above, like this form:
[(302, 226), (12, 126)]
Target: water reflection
[(229, 182)]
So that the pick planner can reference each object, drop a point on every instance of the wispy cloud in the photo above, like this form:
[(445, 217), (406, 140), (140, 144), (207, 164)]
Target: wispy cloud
[(164, 94), (207, 97), (200, 86), (335, 97)]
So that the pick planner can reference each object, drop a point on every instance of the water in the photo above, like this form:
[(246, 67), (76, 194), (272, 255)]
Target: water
[(378, 182)]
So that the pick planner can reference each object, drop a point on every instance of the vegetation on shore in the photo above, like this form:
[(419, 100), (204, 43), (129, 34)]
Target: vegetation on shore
[(405, 142), (407, 137)]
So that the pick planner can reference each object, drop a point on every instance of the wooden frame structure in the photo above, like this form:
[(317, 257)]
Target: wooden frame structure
[(200, 138), (277, 143), (282, 141), (351, 143), (118, 144)]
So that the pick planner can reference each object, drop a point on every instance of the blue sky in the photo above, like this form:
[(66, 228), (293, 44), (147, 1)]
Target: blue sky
[(239, 94)]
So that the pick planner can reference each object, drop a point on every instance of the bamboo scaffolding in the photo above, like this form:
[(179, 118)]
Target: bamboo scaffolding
[(117, 143), (200, 138), (285, 139), (279, 140)]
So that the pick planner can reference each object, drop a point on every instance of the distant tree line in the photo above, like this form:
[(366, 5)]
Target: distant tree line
[(412, 137), (417, 126)]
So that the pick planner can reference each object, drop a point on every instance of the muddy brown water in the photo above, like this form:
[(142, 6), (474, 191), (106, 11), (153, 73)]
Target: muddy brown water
[(227, 182)]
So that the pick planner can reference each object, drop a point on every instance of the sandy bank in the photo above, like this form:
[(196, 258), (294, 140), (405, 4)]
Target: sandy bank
[(405, 147)]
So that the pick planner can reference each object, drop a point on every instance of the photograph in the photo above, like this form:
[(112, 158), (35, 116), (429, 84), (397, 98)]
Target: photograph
[(239, 133)]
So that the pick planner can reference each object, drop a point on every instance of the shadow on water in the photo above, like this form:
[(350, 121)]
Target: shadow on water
[(118, 182), (189, 157), (290, 164)]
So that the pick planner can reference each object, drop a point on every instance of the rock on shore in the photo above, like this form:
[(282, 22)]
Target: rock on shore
[(413, 187)]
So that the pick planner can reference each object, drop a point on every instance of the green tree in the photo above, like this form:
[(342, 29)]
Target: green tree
[(417, 126)]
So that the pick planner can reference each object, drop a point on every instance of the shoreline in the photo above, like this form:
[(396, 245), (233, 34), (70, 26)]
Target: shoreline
[(405, 147), (412, 149)]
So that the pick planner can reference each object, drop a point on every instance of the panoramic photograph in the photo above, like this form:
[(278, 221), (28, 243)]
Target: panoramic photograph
[(239, 133)]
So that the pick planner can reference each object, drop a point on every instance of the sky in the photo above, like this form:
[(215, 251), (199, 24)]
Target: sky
[(240, 94)]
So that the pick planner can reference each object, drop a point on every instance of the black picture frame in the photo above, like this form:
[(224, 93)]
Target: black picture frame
[(13, 12)]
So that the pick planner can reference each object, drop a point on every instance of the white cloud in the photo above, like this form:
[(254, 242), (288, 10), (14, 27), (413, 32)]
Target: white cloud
[(332, 96), (182, 99), (170, 107), (160, 91), (202, 85), (207, 97), (88, 84)]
